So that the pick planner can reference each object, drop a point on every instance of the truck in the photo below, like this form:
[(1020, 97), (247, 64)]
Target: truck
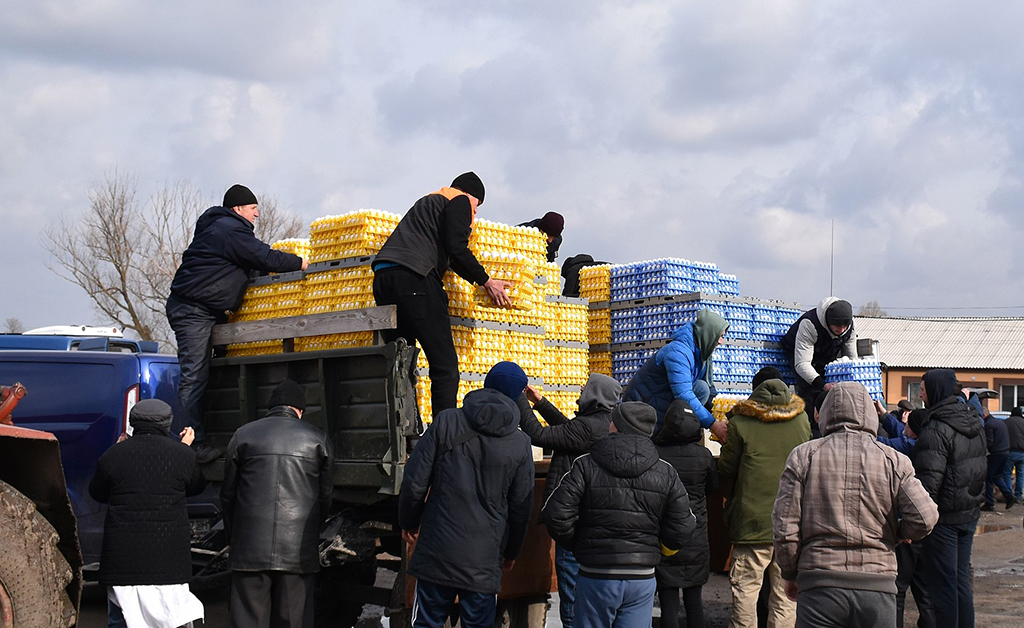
[(363, 398)]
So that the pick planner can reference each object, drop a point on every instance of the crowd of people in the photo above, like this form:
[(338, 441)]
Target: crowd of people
[(834, 506)]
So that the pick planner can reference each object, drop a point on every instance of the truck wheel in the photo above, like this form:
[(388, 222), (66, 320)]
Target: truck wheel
[(33, 573)]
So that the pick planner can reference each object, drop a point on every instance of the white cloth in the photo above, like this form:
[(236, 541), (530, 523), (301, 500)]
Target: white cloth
[(157, 606)]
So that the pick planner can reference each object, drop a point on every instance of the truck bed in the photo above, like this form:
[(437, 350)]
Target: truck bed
[(361, 397)]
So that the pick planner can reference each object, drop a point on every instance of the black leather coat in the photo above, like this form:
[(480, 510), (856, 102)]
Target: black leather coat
[(277, 490)]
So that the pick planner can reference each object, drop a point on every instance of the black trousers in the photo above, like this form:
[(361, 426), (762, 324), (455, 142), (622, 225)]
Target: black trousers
[(422, 315), (908, 576), (271, 599), (693, 606)]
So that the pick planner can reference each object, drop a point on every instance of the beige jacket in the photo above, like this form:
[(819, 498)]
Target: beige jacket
[(845, 501)]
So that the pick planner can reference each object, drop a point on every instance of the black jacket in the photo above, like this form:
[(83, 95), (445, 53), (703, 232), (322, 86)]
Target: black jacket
[(480, 493), (433, 234), (144, 481), (679, 445), (276, 494), (997, 435), (1015, 426), (221, 259), (570, 439), (951, 461), (617, 506)]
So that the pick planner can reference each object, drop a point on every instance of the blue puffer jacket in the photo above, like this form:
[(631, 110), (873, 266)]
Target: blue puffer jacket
[(672, 371)]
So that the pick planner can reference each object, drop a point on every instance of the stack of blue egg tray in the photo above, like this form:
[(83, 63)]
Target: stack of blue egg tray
[(652, 299), (866, 371)]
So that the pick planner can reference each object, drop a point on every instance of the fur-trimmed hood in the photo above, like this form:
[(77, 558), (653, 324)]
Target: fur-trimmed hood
[(771, 402)]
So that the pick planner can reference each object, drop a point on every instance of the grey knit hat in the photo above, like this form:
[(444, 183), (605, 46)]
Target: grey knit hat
[(635, 417)]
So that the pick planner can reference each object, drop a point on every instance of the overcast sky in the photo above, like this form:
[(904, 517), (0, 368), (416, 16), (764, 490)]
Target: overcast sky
[(729, 132)]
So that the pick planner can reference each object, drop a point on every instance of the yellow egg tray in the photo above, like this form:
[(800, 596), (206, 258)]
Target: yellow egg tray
[(295, 246), (595, 283), (334, 341), (599, 326), (338, 290), (362, 232), (723, 403), (260, 347), (601, 362), (566, 366), (570, 323), (527, 241)]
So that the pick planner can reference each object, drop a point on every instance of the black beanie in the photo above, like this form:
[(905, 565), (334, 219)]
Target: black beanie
[(552, 224), (151, 414), (288, 393), (635, 417), (765, 374), (820, 400), (839, 313), (471, 184), (237, 196)]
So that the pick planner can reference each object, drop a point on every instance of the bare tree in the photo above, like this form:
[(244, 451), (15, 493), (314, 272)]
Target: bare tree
[(872, 309), (14, 326), (124, 253)]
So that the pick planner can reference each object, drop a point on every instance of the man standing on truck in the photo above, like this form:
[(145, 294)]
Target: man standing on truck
[(408, 271), (818, 337), (210, 282), (478, 470), (278, 482), (550, 224)]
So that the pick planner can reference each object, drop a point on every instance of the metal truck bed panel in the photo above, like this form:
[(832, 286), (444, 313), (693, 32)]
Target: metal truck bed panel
[(362, 397)]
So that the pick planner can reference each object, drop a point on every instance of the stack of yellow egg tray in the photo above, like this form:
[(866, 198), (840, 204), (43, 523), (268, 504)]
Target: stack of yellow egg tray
[(336, 291), (295, 246), (595, 285), (357, 233), (269, 300)]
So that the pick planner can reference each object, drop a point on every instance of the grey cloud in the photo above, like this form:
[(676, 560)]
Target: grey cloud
[(258, 41)]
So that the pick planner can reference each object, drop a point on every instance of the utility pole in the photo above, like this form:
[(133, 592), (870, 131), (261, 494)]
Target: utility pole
[(832, 260)]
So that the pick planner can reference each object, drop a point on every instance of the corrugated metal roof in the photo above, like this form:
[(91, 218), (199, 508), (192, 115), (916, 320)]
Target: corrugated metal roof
[(958, 343)]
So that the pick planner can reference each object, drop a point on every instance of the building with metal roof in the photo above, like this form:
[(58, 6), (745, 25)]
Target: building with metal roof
[(985, 353)]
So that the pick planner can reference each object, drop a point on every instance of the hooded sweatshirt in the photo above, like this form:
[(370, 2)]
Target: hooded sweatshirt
[(845, 501), (481, 493), (763, 430), (671, 372), (616, 506), (216, 266), (810, 345), (570, 439), (679, 444), (950, 457)]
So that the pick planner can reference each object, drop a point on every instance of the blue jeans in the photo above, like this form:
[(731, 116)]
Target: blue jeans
[(998, 464), (192, 327), (946, 565), (434, 604), (614, 603), (1016, 465), (566, 569)]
